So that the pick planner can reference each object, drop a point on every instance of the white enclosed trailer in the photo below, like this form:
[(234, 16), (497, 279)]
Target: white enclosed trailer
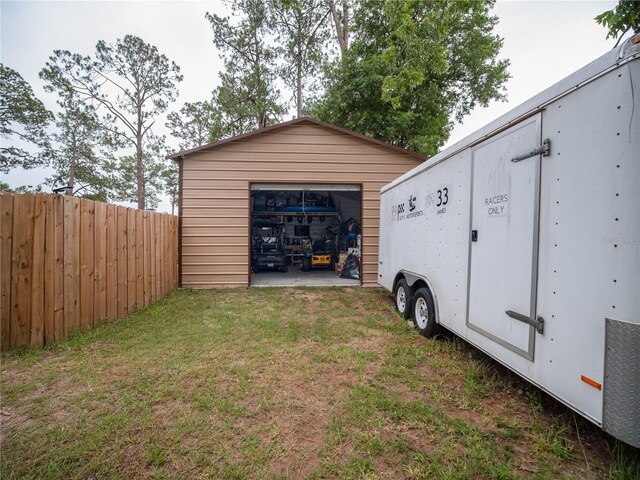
[(524, 239)]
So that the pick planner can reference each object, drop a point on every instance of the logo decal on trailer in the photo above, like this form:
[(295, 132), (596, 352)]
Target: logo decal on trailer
[(412, 203), (438, 199), (397, 211)]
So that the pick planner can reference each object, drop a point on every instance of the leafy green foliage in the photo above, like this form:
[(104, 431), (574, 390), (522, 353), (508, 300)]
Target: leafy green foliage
[(412, 67), (124, 176), (5, 187), (196, 124), (131, 81), (77, 148), (247, 97), (170, 183), (22, 117), (624, 17)]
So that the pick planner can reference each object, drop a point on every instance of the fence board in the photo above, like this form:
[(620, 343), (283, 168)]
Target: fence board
[(49, 270), (165, 270), (139, 258), (38, 271), (69, 263), (152, 259), (58, 249), (87, 212), (131, 260), (158, 255), (6, 236), (21, 266), (123, 262), (146, 259), (111, 235), (100, 262)]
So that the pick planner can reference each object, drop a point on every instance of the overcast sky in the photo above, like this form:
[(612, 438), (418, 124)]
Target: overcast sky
[(544, 40)]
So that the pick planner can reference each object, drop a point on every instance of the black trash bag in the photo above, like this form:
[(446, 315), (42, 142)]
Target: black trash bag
[(351, 267)]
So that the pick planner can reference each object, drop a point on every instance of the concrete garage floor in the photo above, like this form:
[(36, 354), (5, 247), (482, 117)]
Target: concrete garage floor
[(297, 278)]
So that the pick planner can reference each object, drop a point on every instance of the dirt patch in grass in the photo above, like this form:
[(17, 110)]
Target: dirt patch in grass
[(14, 418), (283, 383)]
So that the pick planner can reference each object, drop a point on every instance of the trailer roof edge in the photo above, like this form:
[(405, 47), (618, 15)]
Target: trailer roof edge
[(600, 66)]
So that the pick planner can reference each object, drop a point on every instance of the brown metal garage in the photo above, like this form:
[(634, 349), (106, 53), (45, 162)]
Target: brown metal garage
[(216, 191)]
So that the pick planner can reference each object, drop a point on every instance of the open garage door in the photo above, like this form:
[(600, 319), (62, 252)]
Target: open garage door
[(305, 234)]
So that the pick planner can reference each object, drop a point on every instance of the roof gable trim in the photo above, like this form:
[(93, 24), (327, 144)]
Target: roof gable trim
[(182, 154)]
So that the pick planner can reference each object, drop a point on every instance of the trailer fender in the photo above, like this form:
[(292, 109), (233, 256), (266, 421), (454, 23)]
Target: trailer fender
[(415, 280)]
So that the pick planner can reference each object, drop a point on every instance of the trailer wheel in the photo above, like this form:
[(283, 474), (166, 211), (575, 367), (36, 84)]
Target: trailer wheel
[(403, 296), (424, 314)]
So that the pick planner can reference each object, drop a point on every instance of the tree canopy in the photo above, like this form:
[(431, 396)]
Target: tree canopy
[(414, 66), (248, 96), (302, 33), (621, 19), (131, 81), (22, 116), (401, 71), (77, 146), (197, 123)]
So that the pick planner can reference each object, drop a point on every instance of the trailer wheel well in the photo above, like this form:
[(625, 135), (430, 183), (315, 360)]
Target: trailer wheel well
[(418, 283), (399, 276), (421, 284)]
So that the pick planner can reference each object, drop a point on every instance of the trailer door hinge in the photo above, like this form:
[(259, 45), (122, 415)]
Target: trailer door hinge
[(538, 323), (544, 150)]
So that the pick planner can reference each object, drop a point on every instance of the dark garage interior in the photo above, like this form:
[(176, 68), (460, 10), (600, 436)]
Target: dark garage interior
[(305, 235)]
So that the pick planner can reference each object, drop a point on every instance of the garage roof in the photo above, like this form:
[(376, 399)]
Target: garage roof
[(297, 121)]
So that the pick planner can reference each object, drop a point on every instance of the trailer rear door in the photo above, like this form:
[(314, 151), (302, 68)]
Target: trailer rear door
[(504, 243)]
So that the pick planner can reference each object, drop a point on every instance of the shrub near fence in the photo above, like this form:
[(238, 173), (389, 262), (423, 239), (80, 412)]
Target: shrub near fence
[(68, 263)]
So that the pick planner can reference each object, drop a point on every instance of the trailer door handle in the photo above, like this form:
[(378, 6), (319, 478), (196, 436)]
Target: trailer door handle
[(544, 149), (538, 323), (474, 235)]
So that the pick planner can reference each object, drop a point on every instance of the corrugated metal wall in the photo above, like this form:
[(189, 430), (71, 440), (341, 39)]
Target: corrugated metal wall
[(215, 193)]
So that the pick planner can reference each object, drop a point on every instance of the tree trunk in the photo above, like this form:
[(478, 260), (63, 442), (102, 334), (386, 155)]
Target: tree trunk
[(139, 174), (72, 168), (345, 25), (72, 173), (342, 27), (299, 81)]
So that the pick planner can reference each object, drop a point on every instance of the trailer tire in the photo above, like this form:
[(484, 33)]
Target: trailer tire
[(284, 268), (403, 294), (424, 314)]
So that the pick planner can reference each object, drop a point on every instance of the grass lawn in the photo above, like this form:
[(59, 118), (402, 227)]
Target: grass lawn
[(284, 383)]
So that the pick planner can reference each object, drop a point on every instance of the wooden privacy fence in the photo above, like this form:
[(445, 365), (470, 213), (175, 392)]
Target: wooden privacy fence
[(68, 263)]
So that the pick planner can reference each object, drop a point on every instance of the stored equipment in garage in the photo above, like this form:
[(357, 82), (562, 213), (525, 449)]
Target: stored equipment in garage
[(318, 227), (267, 250)]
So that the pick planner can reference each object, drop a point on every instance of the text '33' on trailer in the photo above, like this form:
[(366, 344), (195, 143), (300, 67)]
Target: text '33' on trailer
[(524, 239)]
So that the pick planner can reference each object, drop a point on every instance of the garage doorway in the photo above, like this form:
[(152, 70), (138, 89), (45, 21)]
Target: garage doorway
[(305, 235)]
